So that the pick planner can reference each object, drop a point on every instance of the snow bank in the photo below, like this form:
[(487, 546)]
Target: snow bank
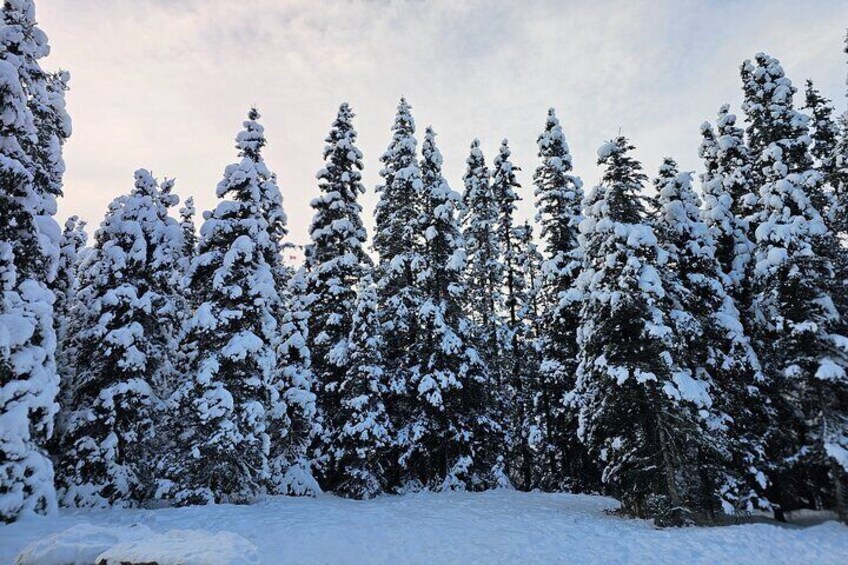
[(178, 547), (80, 544), (85, 544)]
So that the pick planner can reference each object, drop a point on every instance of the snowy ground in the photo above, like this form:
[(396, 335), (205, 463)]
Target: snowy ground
[(492, 527)]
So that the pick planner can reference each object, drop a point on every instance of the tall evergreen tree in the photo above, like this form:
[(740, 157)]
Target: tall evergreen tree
[(711, 347), (636, 413), (483, 272), (123, 345), (230, 400), (398, 241), (828, 195), (33, 131), (365, 434), (797, 307), (27, 390), (559, 195), (67, 308), (510, 341), (448, 433), (336, 263), (801, 336)]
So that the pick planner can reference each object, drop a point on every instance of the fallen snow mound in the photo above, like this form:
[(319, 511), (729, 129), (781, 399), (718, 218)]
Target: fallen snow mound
[(178, 547), (80, 544)]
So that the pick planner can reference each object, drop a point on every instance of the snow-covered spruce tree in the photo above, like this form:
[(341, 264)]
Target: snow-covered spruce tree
[(801, 337), (364, 435), (512, 357), (336, 263), (67, 308), (28, 380), (729, 198), (720, 372), (796, 297), (829, 197), (563, 460), (448, 432), (34, 127), (631, 395), (830, 153), (293, 423), (771, 117), (398, 239), (230, 401), (483, 271), (527, 395), (123, 343)]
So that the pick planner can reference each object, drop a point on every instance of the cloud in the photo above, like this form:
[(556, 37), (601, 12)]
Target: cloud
[(165, 85)]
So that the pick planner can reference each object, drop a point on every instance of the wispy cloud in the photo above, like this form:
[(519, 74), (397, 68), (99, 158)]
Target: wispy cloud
[(165, 84)]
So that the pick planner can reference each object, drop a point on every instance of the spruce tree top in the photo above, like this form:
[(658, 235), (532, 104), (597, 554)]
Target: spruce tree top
[(734, 160), (825, 131), (622, 180), (477, 198), (558, 192), (396, 212), (431, 172), (675, 187), (769, 108), (439, 217), (727, 192), (344, 159), (251, 140), (504, 181), (400, 155), (188, 211), (251, 174), (337, 225)]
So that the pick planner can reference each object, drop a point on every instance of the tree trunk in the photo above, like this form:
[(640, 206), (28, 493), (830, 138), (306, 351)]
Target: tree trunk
[(669, 464), (549, 424), (838, 490)]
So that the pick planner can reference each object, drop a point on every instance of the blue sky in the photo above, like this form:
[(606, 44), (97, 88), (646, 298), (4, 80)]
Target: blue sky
[(165, 84)]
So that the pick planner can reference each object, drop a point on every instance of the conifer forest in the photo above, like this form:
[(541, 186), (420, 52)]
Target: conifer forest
[(672, 340)]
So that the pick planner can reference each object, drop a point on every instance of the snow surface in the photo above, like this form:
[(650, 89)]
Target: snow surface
[(184, 547), (80, 544), (493, 527)]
